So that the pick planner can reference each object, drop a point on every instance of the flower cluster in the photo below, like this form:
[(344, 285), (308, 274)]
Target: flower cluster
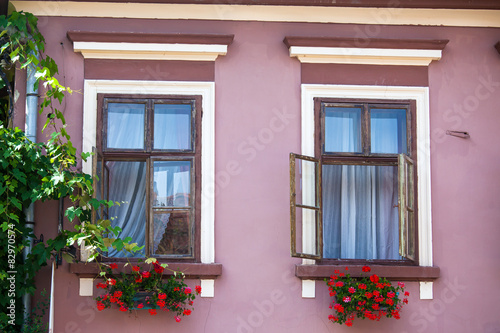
[(369, 297), (146, 290)]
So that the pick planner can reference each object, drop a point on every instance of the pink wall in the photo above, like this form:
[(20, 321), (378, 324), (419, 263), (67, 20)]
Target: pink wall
[(257, 125)]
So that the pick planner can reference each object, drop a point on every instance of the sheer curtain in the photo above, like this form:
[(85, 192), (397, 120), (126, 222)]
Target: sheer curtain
[(360, 217)]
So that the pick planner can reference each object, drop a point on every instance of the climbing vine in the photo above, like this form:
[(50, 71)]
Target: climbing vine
[(31, 172)]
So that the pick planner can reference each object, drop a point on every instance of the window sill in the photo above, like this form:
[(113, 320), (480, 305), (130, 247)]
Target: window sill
[(191, 270), (402, 273)]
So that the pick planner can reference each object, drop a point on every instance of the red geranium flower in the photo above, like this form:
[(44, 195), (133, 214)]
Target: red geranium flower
[(118, 294), (139, 279), (374, 278), (187, 291), (152, 312), (111, 282), (145, 274), (101, 285), (339, 284), (140, 306), (407, 293), (113, 266), (136, 268), (391, 294), (366, 269), (160, 303), (123, 309), (198, 289), (177, 319), (100, 306), (162, 296), (362, 286), (187, 312), (352, 290)]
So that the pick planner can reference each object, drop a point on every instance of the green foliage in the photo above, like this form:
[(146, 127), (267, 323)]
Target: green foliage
[(32, 172), (35, 323)]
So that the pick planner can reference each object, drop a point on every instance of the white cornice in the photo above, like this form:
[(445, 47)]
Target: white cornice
[(366, 56), (149, 51), (378, 16)]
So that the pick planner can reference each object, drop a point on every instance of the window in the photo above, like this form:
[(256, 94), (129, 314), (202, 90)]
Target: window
[(149, 160), (355, 200)]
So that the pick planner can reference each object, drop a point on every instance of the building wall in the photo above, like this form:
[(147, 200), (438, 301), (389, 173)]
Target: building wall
[(257, 125)]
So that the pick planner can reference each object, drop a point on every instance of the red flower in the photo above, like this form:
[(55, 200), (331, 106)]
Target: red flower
[(162, 296), (177, 289), (376, 293), (111, 282), (123, 309), (198, 289), (368, 295), (160, 303), (145, 274), (187, 291), (152, 312), (187, 312), (405, 300), (136, 268), (339, 284), (366, 269), (113, 299), (113, 266), (407, 293), (389, 301), (346, 268), (118, 294), (101, 285), (177, 319), (139, 279), (100, 306), (362, 286), (374, 278), (140, 306), (391, 294), (401, 284), (380, 285), (348, 323), (346, 299), (375, 306), (352, 290), (158, 268)]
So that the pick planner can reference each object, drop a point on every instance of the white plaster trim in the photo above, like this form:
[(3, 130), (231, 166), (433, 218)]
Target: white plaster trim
[(207, 288), (86, 286), (314, 14), (150, 51), (207, 92), (367, 56), (421, 97), (426, 290), (308, 289)]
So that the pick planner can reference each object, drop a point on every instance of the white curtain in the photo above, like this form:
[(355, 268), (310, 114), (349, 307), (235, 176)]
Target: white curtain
[(360, 217)]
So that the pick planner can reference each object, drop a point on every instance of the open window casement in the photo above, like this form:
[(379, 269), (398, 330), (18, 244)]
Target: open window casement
[(99, 175), (406, 207), (305, 207)]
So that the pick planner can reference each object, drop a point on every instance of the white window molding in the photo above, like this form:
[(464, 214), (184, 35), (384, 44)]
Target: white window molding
[(365, 56), (150, 51), (207, 91), (421, 97)]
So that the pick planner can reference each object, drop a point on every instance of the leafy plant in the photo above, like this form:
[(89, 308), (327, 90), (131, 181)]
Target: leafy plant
[(35, 322), (370, 297), (122, 290), (32, 172)]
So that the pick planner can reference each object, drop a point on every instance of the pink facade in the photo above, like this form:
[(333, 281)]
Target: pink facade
[(257, 125)]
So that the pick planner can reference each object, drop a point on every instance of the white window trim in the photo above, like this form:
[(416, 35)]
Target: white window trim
[(207, 91), (364, 56), (421, 97), (150, 51)]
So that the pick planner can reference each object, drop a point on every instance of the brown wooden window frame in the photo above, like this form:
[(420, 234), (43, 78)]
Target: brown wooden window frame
[(149, 155), (407, 191)]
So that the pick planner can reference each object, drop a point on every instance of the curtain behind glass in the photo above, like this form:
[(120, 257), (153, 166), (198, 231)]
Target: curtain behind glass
[(172, 126), (125, 126), (359, 217), (127, 185)]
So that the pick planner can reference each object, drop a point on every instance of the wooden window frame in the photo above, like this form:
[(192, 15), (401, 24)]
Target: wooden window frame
[(365, 157), (148, 154)]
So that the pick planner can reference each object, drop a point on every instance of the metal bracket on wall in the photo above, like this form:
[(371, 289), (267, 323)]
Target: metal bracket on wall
[(459, 134)]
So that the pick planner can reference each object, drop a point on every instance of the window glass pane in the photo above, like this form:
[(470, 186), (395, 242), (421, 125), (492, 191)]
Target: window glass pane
[(172, 183), (125, 125), (127, 185), (388, 131), (172, 126), (360, 213), (342, 130), (305, 182), (172, 233)]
